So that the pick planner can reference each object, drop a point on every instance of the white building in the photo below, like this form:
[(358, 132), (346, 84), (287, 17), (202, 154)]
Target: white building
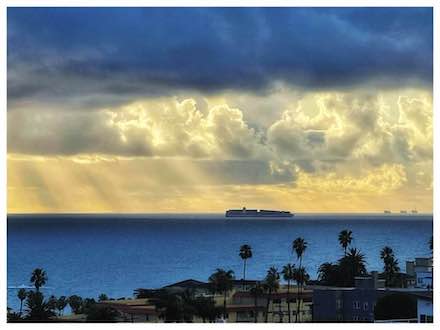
[(424, 309), (421, 270)]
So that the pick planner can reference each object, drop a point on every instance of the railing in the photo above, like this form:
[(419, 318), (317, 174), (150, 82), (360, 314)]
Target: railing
[(397, 321)]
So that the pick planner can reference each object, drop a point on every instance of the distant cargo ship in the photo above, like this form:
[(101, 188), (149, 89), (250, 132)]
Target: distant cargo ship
[(387, 212), (245, 213)]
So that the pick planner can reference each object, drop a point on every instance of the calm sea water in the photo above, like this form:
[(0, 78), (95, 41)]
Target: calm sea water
[(115, 254)]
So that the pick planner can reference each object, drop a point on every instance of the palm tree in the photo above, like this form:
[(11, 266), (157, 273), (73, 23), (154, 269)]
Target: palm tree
[(52, 303), (204, 307), (37, 308), (38, 278), (245, 253), (345, 239), (386, 252), (271, 284), (288, 275), (102, 297), (256, 291), (75, 303), (21, 294), (351, 265), (391, 264), (61, 304), (221, 282), (299, 246), (328, 273), (300, 276)]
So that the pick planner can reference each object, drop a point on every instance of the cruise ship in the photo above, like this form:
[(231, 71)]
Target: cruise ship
[(245, 213)]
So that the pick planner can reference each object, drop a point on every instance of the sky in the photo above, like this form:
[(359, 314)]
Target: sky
[(207, 109)]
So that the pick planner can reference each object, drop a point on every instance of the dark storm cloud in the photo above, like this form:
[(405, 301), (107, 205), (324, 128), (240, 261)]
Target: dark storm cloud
[(89, 55)]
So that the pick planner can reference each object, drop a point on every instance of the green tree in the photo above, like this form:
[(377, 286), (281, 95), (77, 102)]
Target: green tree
[(328, 274), (176, 307), (271, 284), (170, 306), (221, 281), (75, 303), (391, 265), (301, 277), (101, 314), (21, 294), (395, 306), (61, 304), (37, 308), (245, 254), (204, 307), (345, 238), (87, 304), (299, 246), (288, 275), (13, 317), (102, 297), (256, 292), (52, 303), (38, 278), (352, 265)]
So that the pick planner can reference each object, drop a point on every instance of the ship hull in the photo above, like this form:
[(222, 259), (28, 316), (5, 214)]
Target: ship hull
[(255, 214), (260, 216)]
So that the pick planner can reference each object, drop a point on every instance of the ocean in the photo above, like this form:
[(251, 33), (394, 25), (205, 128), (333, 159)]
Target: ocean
[(114, 254)]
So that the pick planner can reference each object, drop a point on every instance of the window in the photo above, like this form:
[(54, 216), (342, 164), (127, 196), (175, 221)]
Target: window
[(366, 306), (356, 304), (355, 318)]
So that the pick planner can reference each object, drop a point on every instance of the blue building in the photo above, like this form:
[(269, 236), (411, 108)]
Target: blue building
[(356, 304)]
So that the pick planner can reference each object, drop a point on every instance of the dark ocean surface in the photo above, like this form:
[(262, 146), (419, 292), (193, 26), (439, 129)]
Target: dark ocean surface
[(115, 254)]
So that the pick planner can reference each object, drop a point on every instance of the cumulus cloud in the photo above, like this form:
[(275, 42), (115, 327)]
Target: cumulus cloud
[(334, 128), (163, 128)]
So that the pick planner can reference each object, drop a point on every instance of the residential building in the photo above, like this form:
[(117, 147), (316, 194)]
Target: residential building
[(424, 308), (351, 304), (420, 270), (245, 307)]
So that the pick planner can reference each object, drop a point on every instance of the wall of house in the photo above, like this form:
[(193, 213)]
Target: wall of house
[(424, 310)]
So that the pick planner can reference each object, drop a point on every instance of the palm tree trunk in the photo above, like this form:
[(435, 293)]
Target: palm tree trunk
[(244, 274), (224, 306), (21, 306), (280, 312), (288, 300), (267, 306), (256, 307), (297, 293)]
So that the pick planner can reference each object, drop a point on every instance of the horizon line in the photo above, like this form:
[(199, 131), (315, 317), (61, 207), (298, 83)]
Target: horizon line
[(215, 213)]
